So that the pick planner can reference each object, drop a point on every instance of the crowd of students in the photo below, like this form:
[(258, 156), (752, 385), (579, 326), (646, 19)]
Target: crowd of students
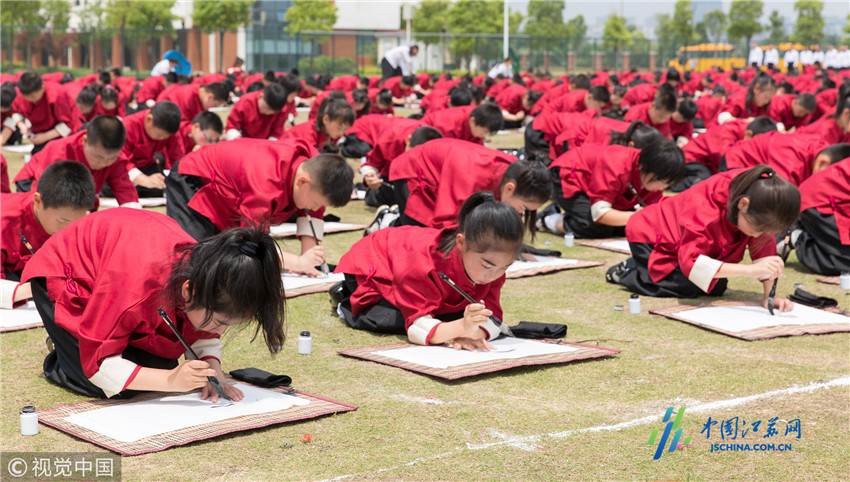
[(771, 157)]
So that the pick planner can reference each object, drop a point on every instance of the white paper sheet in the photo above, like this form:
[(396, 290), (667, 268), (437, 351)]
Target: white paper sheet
[(146, 202), (288, 229), (540, 262), (134, 421), (742, 318), (294, 281), (22, 148), (620, 244), (445, 357), (25, 315)]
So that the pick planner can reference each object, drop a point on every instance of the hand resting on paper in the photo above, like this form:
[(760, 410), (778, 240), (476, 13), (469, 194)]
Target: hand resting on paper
[(209, 392), (465, 333), (780, 304)]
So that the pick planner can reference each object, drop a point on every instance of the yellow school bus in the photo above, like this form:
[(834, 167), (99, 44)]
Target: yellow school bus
[(699, 58)]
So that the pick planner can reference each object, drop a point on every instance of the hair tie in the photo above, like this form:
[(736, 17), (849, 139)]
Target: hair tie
[(766, 175), (250, 248)]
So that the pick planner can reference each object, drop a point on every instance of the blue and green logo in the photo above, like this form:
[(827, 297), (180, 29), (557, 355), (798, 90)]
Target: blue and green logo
[(672, 426)]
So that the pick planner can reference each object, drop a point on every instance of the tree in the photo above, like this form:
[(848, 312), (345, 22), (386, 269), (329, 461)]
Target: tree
[(809, 27), (147, 17), (776, 28), (715, 25), (575, 32), (21, 14), (744, 18), (546, 18), (221, 15), (476, 17), (846, 40), (683, 22), (664, 33), (616, 35), (305, 15), (430, 17), (55, 15)]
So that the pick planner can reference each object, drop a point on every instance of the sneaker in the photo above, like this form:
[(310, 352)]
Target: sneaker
[(376, 223), (389, 218), (337, 292), (542, 215), (615, 272), (49, 344)]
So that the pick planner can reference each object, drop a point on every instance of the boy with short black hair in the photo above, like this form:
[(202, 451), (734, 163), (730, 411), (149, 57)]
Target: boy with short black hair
[(48, 109), (99, 148), (13, 125), (681, 125), (205, 128), (657, 113), (213, 189), (469, 123), (65, 193), (152, 146), (260, 115)]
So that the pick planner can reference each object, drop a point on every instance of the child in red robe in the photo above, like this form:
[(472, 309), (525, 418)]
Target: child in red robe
[(100, 299), (392, 282)]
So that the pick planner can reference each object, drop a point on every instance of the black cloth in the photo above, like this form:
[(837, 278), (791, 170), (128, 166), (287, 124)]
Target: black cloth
[(382, 317), (261, 378), (536, 331), (674, 285), (155, 168), (383, 195), (809, 299), (402, 192), (24, 185), (512, 124), (38, 147), (819, 245), (179, 190), (388, 70), (62, 365), (577, 217), (694, 173), (355, 148), (722, 166)]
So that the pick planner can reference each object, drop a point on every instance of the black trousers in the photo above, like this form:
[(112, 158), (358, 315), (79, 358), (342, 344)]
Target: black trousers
[(674, 285), (155, 168), (577, 216), (388, 70), (694, 173), (402, 192), (382, 317), (179, 190), (819, 246), (62, 365), (514, 124), (383, 195), (536, 144), (355, 148)]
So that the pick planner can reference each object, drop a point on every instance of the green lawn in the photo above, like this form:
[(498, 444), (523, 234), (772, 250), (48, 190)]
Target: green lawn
[(537, 423)]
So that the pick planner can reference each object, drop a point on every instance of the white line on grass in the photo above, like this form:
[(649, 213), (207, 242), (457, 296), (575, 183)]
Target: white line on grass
[(527, 442)]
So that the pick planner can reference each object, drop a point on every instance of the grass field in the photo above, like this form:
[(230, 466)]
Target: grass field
[(588, 420)]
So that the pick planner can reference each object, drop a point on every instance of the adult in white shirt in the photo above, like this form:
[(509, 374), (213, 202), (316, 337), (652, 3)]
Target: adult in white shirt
[(503, 68), (756, 55), (791, 59), (399, 61), (844, 58), (830, 58), (807, 57), (164, 66), (817, 55), (771, 57)]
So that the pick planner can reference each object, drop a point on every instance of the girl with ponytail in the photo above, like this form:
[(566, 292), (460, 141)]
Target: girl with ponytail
[(392, 283), (688, 245)]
